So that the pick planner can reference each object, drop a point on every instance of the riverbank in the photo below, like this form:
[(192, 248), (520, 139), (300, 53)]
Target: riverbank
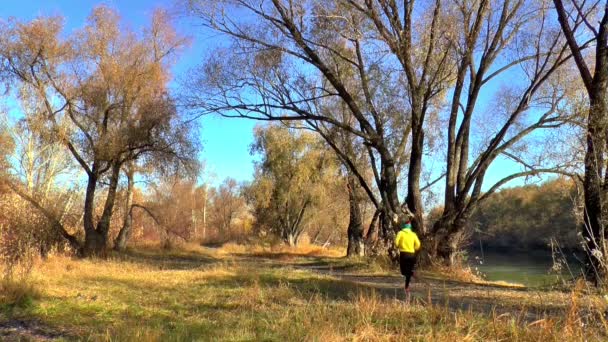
[(222, 295)]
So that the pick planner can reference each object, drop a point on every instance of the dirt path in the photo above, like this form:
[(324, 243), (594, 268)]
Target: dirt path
[(525, 304), (455, 295), (22, 330)]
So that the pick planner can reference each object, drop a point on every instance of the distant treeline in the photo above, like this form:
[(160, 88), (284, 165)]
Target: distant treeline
[(527, 218)]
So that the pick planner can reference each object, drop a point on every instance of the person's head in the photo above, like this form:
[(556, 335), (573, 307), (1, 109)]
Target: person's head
[(406, 224)]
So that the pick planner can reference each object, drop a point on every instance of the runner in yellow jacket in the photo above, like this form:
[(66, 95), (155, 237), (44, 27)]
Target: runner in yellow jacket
[(408, 244)]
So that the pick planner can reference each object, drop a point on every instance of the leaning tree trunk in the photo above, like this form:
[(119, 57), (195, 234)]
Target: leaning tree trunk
[(372, 230), (356, 245), (120, 244)]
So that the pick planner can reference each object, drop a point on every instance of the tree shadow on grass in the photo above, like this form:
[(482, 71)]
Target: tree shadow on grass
[(340, 285), (147, 304), (303, 286), (320, 264), (166, 260)]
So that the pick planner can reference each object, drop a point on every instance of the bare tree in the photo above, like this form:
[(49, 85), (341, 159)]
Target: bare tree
[(226, 202), (293, 58), (393, 66), (41, 164), (38, 161), (494, 38)]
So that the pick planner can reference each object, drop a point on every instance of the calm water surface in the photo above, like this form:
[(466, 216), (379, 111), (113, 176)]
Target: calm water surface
[(530, 269)]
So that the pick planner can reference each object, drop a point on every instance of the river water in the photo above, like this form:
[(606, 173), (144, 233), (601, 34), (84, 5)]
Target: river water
[(530, 269)]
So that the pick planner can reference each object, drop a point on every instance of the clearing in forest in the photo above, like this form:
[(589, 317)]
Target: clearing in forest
[(203, 294)]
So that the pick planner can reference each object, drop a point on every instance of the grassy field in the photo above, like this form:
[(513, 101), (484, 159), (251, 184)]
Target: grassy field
[(240, 295)]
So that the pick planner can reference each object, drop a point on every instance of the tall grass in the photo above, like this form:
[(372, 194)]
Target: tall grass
[(18, 293)]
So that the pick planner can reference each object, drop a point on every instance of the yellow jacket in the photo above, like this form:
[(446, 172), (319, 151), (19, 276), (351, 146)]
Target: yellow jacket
[(407, 241)]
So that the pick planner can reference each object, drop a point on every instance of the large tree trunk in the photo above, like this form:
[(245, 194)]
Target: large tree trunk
[(95, 240), (386, 235), (120, 244), (372, 230), (594, 220), (391, 207), (594, 186), (356, 245), (448, 238), (414, 195), (89, 203), (94, 244)]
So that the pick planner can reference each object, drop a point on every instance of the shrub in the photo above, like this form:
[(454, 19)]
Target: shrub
[(25, 236)]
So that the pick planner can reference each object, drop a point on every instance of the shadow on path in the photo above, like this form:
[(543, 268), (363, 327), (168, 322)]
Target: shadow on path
[(29, 330), (452, 294)]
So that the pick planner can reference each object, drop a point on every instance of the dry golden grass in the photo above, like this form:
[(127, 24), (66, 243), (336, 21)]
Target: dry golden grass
[(463, 273), (18, 292), (282, 251), (468, 275), (192, 294)]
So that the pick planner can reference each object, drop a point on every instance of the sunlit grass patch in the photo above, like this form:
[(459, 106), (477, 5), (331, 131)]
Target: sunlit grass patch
[(282, 251)]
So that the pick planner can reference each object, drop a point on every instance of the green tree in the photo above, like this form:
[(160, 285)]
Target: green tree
[(290, 179)]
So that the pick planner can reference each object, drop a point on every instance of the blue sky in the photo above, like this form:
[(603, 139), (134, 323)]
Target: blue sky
[(225, 141)]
